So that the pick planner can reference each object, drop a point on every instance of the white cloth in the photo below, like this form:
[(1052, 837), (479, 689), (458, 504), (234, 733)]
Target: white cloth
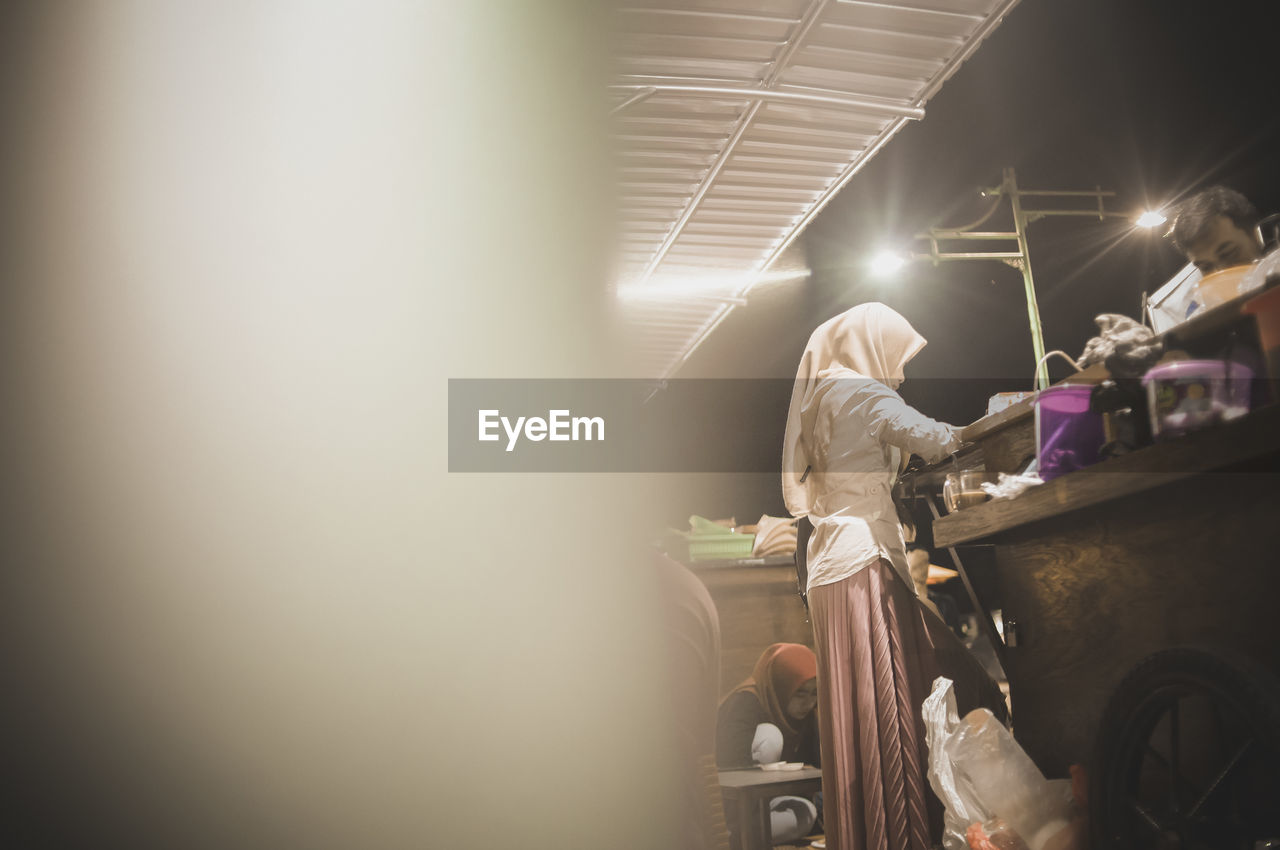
[(847, 425), (766, 744), (791, 818)]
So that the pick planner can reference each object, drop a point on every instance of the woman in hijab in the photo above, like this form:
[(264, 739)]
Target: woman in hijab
[(848, 433), (780, 695), (770, 717)]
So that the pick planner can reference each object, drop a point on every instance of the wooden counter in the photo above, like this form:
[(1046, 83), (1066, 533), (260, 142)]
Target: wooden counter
[(1251, 440), (1097, 570), (1005, 441), (1176, 544), (1001, 442)]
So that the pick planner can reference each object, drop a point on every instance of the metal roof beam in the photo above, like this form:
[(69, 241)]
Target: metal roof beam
[(759, 95), (902, 7), (967, 50), (707, 13), (789, 51), (638, 96)]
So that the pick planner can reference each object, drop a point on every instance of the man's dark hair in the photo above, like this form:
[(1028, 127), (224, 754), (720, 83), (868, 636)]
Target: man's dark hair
[(1196, 214)]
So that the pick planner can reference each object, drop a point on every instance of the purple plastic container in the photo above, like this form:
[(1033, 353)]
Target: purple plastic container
[(1068, 436), (1188, 394)]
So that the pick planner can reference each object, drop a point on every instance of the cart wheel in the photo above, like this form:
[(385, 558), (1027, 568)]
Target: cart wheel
[(1188, 756)]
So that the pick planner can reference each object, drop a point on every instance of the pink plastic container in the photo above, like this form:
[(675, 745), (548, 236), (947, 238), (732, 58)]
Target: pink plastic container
[(1188, 394), (1068, 436)]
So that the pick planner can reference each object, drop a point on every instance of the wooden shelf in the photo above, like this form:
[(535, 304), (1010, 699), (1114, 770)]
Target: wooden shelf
[(1251, 438)]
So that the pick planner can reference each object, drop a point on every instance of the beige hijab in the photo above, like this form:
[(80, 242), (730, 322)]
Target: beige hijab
[(867, 341)]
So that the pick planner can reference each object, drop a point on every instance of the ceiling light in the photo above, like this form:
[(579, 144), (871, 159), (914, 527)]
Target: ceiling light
[(1151, 218), (886, 263)]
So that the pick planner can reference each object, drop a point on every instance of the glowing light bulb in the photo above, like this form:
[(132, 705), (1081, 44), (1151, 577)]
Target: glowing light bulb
[(1151, 218), (886, 263)]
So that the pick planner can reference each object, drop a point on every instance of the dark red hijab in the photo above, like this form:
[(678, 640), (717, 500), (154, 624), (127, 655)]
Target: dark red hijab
[(778, 674)]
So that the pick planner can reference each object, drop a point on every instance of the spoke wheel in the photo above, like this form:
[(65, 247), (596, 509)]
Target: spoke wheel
[(1188, 756)]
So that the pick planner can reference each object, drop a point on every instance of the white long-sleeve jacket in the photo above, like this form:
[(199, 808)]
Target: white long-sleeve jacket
[(854, 441)]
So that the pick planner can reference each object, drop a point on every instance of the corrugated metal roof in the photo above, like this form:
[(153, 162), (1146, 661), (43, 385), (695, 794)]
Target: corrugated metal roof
[(737, 120)]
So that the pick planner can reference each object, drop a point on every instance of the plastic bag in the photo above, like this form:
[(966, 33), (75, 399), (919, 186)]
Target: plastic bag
[(941, 722), (1127, 347), (981, 774), (1009, 486), (1264, 270)]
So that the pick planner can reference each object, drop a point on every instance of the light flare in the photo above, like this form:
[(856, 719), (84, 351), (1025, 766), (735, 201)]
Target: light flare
[(1151, 218), (886, 262)]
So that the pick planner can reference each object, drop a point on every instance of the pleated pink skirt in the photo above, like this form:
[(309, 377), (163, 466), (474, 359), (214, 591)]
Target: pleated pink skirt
[(875, 666)]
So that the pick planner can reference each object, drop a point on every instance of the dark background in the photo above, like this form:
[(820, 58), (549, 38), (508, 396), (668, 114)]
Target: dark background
[(1151, 100)]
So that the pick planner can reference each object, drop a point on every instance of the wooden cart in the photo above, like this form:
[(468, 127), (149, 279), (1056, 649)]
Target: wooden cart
[(1140, 601)]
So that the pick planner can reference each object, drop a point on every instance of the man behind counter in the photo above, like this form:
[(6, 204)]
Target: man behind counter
[(1215, 229)]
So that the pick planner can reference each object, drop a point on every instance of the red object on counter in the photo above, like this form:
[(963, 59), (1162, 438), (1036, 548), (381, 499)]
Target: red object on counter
[(1001, 838), (1265, 308)]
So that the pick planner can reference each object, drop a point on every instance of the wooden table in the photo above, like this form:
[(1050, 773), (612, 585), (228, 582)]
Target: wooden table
[(750, 792)]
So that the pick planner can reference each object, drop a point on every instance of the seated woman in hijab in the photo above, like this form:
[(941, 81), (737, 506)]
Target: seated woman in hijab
[(770, 717)]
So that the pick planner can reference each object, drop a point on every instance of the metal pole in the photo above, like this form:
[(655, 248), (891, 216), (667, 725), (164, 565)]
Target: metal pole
[(979, 609), (1033, 310)]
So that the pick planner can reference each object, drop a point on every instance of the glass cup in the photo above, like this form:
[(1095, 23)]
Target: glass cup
[(963, 489)]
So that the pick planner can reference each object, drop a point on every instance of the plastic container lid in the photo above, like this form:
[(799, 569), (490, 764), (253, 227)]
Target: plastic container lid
[(1204, 369), (1065, 398)]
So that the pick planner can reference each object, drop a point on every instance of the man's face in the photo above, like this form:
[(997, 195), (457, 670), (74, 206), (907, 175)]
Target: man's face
[(1223, 246)]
